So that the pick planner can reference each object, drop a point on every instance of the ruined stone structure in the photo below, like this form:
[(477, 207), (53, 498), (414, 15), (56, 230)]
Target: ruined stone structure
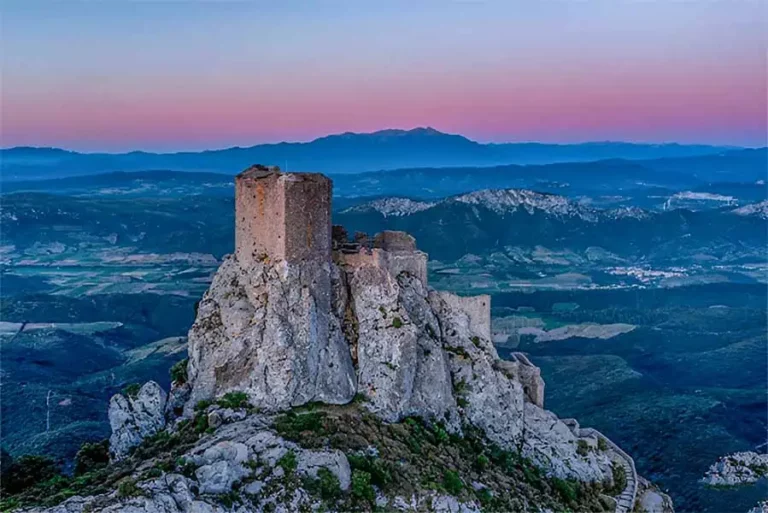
[(302, 313), (394, 251), (478, 308), (282, 216)]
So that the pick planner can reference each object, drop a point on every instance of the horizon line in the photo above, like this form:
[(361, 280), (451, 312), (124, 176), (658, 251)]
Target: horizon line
[(403, 130)]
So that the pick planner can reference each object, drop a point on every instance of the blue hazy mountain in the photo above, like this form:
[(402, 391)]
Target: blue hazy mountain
[(341, 153)]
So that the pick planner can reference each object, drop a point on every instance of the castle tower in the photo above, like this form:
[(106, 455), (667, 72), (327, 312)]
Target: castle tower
[(282, 216)]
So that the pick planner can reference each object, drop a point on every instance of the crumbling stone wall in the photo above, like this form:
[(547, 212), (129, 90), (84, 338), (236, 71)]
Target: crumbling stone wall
[(477, 308), (393, 251)]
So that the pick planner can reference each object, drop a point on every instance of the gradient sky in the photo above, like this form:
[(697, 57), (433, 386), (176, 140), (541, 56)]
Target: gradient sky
[(177, 75)]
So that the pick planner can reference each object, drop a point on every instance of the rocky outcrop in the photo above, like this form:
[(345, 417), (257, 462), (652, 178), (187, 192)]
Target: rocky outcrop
[(409, 350), (248, 466), (737, 469), (135, 417), (265, 331)]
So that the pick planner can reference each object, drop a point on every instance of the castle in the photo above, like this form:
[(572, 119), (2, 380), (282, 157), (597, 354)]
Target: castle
[(287, 216)]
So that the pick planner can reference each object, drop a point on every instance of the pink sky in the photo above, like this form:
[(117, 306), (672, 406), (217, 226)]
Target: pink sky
[(158, 77)]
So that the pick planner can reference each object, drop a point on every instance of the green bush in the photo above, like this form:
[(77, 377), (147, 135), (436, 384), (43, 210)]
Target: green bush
[(288, 462), (91, 456), (397, 322), (482, 462), (476, 341), (179, 372), (131, 390), (582, 448), (326, 484), (233, 400), (452, 482), (619, 479), (568, 490), (602, 443), (203, 405), (201, 423), (379, 470), (26, 472), (128, 488), (361, 487), (293, 424)]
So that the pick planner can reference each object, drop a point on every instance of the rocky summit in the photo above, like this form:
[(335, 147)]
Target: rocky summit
[(325, 374)]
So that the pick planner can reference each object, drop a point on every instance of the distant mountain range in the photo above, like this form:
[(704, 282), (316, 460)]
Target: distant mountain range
[(479, 222), (488, 221), (342, 153)]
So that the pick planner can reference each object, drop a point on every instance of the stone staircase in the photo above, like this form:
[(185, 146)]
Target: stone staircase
[(625, 502)]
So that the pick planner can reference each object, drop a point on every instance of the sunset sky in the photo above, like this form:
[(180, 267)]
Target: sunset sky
[(181, 75)]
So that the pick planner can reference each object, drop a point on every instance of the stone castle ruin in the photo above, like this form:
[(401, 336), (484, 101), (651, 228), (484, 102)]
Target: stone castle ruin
[(287, 216), (304, 312)]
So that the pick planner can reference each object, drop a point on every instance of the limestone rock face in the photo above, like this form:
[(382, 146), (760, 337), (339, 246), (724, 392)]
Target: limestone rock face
[(290, 333), (402, 369), (268, 331), (132, 419)]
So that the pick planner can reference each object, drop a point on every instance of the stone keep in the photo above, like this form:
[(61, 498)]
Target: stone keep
[(282, 216)]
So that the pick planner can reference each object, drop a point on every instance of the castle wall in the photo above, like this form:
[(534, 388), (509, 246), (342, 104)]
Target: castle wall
[(259, 216), (308, 223)]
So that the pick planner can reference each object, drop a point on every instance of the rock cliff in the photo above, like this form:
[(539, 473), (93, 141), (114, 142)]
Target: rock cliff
[(408, 350)]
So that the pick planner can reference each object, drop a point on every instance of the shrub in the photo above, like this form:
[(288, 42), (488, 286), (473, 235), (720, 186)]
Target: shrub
[(292, 424), (441, 435), (452, 482), (91, 456), (203, 405), (602, 443), (129, 488), (26, 472), (378, 469), (179, 372), (482, 462), (288, 462), (361, 487), (233, 400), (568, 490), (476, 340), (326, 484), (619, 479), (152, 473), (397, 322), (201, 423), (582, 448), (131, 390)]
